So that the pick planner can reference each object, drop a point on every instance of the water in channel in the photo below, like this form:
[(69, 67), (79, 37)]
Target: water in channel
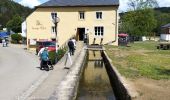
[(94, 83)]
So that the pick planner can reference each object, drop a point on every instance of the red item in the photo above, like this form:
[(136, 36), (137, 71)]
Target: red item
[(122, 35), (50, 44)]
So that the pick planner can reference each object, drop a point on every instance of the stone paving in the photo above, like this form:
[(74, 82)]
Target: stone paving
[(53, 79)]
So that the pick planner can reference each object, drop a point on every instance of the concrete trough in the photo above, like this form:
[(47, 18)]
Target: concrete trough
[(68, 88), (121, 88)]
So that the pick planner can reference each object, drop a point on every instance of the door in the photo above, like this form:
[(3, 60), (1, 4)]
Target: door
[(80, 34)]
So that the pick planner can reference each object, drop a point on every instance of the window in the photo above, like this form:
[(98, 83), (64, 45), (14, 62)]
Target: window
[(99, 15), (99, 31), (53, 30), (47, 44), (53, 15), (81, 15)]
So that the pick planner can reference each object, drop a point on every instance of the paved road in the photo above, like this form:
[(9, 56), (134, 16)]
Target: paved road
[(18, 71), (55, 77)]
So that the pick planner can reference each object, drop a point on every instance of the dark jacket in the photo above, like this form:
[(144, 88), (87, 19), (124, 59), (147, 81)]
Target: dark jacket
[(70, 44)]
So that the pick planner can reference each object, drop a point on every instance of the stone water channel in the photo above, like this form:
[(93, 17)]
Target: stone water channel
[(94, 83)]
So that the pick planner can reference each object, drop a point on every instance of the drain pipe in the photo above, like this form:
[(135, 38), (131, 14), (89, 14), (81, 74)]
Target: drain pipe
[(116, 29)]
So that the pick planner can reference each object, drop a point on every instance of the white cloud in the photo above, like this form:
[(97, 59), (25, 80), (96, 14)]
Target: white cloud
[(164, 3), (30, 3), (123, 5)]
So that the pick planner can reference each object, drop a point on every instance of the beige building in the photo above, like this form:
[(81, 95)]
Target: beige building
[(96, 18), (165, 35)]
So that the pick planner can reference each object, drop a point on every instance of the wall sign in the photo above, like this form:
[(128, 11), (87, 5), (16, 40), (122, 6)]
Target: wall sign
[(32, 41), (38, 26)]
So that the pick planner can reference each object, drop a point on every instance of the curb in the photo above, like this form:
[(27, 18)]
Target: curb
[(67, 89)]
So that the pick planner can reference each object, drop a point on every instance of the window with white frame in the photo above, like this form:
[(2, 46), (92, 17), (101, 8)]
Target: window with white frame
[(54, 15), (98, 15), (81, 15), (53, 30), (99, 30)]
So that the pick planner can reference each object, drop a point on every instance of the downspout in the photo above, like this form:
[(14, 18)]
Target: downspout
[(116, 29), (27, 34)]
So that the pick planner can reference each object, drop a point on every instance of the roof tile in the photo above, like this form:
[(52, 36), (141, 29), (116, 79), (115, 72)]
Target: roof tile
[(60, 3)]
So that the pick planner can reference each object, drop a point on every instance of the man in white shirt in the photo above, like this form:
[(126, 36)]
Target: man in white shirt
[(74, 41), (41, 50), (3, 42)]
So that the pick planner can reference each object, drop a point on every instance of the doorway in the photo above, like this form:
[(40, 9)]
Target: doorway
[(80, 34)]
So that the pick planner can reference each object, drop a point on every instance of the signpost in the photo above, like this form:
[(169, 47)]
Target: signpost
[(56, 20)]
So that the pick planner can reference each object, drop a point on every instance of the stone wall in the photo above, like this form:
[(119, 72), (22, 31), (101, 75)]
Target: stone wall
[(67, 89), (121, 89)]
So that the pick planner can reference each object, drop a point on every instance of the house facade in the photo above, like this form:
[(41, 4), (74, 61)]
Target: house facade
[(24, 29), (96, 18), (165, 35)]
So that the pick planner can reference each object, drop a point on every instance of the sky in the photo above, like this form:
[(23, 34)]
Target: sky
[(123, 3)]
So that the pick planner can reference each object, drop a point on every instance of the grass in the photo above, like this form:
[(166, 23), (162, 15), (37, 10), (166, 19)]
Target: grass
[(141, 59)]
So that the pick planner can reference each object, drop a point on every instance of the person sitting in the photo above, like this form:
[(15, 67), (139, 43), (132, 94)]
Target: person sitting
[(44, 57)]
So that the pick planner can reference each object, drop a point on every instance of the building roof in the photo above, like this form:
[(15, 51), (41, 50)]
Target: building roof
[(166, 26), (74, 3)]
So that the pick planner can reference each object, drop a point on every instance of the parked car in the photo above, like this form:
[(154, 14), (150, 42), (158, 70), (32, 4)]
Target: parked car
[(123, 39), (49, 44)]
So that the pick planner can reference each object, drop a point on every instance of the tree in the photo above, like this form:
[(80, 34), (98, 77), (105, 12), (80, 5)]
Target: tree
[(139, 21), (162, 19), (142, 4), (15, 24), (9, 8), (16, 38)]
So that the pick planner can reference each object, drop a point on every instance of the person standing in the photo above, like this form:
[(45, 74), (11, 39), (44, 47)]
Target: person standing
[(39, 55), (74, 41), (3, 42), (71, 47), (85, 38), (6, 41), (40, 52)]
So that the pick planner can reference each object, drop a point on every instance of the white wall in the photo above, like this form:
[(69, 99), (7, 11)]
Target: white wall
[(24, 29), (165, 37)]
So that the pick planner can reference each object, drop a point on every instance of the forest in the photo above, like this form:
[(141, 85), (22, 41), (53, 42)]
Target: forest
[(144, 18), (9, 9)]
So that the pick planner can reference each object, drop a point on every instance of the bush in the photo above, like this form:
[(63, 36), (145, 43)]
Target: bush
[(16, 38), (61, 53), (52, 56)]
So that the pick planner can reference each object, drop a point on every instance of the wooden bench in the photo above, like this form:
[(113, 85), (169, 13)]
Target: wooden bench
[(163, 46)]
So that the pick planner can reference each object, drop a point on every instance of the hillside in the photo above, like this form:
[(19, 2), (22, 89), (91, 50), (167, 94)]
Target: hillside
[(9, 8), (162, 16), (163, 9)]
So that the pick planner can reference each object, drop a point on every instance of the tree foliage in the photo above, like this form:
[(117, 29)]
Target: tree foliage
[(15, 24), (139, 21), (9, 8), (142, 4), (16, 38), (162, 19)]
